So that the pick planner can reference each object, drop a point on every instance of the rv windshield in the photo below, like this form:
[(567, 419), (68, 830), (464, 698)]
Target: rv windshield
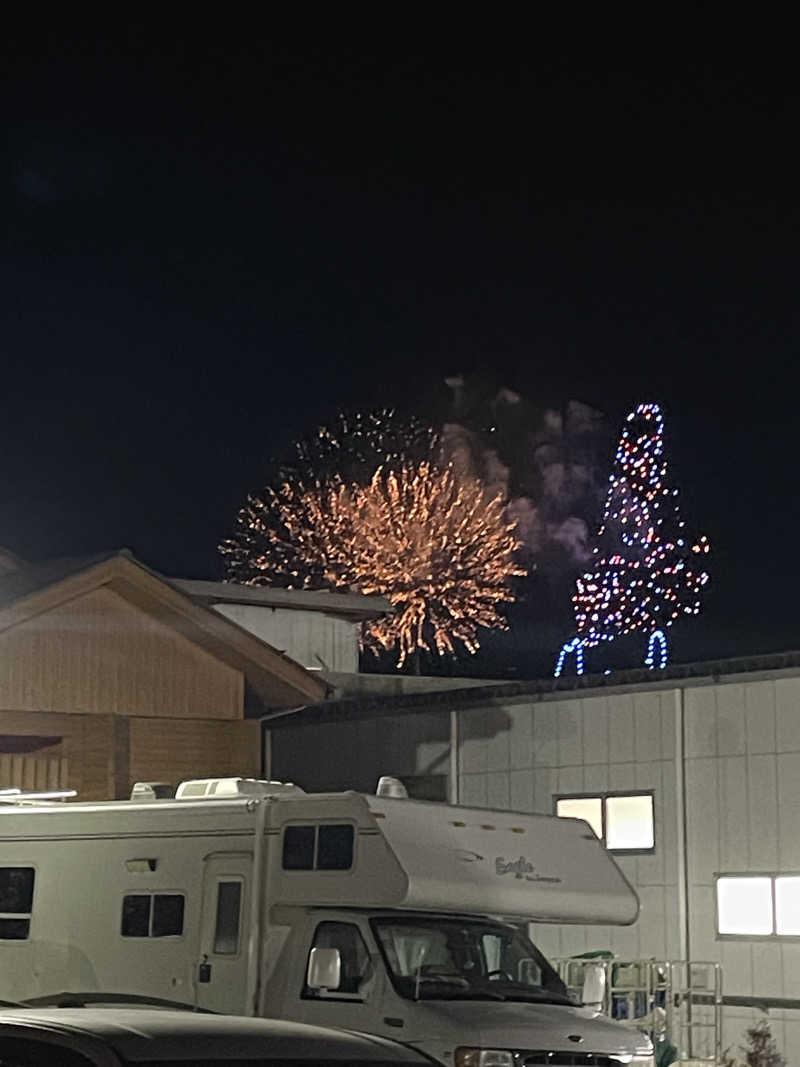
[(465, 959)]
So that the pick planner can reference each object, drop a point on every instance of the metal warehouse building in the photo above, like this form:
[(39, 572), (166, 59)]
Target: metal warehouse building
[(692, 775)]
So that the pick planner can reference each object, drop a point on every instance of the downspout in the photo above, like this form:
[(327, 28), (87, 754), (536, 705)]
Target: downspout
[(454, 790), (266, 751), (256, 897), (681, 828)]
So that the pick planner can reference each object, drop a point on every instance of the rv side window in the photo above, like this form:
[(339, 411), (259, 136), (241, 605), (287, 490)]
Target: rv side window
[(335, 848), (298, 848), (16, 902), (152, 915), (229, 906), (328, 847), (355, 961), (167, 915)]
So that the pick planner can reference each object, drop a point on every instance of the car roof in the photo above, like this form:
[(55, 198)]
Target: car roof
[(141, 1035)]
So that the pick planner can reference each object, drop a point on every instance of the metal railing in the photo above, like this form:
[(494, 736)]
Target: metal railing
[(676, 1001)]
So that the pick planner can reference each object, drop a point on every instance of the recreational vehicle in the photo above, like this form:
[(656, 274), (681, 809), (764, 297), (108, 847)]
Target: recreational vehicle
[(374, 913)]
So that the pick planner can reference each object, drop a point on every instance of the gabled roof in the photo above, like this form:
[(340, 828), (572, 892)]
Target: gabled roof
[(352, 606), (277, 680)]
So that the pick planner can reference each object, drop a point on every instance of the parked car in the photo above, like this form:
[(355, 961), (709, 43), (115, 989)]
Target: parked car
[(128, 1037)]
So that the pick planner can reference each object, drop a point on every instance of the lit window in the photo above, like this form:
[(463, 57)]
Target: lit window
[(623, 822), (744, 906), (787, 905), (629, 822), (590, 809), (758, 905)]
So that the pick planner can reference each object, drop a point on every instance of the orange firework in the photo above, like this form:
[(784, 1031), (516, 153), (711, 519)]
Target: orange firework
[(433, 543)]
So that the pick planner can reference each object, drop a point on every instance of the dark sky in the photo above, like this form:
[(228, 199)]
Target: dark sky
[(211, 243)]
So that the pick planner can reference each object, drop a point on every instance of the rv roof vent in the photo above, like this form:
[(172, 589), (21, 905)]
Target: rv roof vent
[(391, 787), (209, 788), (152, 791)]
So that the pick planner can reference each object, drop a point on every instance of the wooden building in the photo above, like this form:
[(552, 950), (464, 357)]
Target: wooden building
[(111, 674)]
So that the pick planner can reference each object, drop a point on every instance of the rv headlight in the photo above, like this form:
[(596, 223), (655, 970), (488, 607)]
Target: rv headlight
[(483, 1057)]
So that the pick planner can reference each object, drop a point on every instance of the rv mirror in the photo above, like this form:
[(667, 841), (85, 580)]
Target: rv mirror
[(594, 986), (324, 968)]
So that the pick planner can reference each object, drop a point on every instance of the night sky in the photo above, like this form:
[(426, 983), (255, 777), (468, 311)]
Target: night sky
[(211, 244)]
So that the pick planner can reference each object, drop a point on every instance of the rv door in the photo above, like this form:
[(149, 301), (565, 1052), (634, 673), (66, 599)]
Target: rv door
[(221, 969)]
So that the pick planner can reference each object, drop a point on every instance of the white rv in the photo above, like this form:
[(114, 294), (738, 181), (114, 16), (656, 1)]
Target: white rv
[(378, 914)]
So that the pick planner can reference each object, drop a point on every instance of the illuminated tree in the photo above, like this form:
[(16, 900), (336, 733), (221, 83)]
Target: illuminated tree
[(646, 575), (436, 546)]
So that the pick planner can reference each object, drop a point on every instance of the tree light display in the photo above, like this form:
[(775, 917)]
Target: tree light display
[(646, 576), (434, 544)]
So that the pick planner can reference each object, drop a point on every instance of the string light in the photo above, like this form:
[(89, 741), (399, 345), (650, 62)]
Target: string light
[(645, 577), (650, 660), (576, 646)]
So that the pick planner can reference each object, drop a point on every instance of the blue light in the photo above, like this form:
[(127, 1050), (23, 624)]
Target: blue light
[(576, 646), (650, 660)]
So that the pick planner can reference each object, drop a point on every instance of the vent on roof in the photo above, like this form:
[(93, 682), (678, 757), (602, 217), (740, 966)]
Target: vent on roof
[(210, 788), (152, 791), (391, 787)]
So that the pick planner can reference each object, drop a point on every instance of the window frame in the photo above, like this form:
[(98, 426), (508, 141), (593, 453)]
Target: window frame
[(14, 865), (773, 876), (603, 797), (229, 879), (317, 825), (152, 894)]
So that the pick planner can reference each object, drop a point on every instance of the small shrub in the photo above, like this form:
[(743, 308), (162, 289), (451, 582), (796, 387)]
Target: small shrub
[(760, 1050)]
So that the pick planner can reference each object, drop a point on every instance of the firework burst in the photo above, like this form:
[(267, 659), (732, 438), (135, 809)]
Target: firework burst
[(435, 545)]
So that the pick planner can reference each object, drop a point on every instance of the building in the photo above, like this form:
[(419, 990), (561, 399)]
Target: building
[(111, 673), (691, 773)]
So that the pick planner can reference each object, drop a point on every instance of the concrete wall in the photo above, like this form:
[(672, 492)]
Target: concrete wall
[(311, 638)]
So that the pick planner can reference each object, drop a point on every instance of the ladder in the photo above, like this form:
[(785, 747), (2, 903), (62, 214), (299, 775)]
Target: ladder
[(674, 1001)]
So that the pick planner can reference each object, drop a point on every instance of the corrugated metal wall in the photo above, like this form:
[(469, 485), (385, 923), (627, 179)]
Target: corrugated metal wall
[(311, 638), (742, 796)]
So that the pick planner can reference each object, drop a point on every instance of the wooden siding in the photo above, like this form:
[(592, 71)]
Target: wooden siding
[(99, 655), (101, 756), (33, 772), (173, 751)]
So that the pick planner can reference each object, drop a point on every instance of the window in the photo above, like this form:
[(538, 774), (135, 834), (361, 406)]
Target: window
[(327, 847), (152, 915), (229, 906), (758, 905), (355, 961), (590, 809), (16, 902), (624, 822), (442, 958)]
